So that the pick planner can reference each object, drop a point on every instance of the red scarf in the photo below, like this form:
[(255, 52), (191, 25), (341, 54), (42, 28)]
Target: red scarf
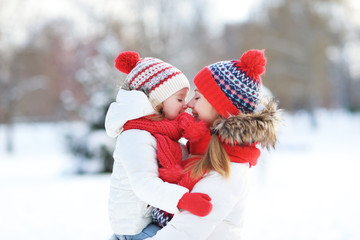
[(238, 154), (169, 154)]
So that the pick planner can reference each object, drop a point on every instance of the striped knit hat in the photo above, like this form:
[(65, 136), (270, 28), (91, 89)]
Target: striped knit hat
[(233, 86), (158, 79)]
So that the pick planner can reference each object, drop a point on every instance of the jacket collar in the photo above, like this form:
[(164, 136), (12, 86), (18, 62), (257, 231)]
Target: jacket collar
[(246, 129)]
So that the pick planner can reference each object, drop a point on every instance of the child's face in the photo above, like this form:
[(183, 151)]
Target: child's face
[(202, 109), (175, 104)]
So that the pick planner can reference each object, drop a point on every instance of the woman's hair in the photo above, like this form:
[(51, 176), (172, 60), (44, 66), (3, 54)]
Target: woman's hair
[(215, 158)]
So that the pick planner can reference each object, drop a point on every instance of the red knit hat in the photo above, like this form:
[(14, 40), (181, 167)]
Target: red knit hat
[(233, 86), (153, 76)]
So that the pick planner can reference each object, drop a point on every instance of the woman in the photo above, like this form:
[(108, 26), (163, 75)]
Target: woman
[(227, 97)]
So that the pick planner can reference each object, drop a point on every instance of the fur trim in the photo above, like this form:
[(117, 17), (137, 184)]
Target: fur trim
[(257, 127)]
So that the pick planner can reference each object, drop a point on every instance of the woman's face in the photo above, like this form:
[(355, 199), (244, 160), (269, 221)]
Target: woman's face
[(202, 109)]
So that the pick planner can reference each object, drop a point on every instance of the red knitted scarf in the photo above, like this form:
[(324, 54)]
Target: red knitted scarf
[(238, 154), (169, 154)]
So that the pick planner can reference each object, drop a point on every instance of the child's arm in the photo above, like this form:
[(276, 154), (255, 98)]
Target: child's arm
[(136, 150)]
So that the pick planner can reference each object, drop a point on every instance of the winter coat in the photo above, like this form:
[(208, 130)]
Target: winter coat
[(228, 195), (135, 185)]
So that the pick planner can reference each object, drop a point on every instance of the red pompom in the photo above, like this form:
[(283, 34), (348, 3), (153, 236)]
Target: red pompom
[(253, 62), (126, 61)]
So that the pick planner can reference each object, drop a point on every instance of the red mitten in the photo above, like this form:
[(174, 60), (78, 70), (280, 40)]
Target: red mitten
[(192, 130), (196, 203)]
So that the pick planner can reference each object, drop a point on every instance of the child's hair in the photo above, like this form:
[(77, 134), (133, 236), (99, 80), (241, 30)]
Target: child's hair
[(215, 158), (160, 115)]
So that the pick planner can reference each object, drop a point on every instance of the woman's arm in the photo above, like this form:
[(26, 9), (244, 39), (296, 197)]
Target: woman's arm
[(225, 194)]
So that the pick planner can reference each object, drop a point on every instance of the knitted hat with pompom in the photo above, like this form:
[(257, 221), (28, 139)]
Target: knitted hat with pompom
[(158, 79), (233, 86)]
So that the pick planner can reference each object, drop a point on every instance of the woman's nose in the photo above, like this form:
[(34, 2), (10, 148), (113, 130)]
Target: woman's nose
[(190, 104)]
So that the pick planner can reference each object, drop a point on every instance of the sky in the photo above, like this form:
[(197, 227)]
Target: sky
[(231, 10)]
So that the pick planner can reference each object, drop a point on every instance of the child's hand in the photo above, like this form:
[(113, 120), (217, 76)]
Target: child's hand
[(192, 129), (196, 203)]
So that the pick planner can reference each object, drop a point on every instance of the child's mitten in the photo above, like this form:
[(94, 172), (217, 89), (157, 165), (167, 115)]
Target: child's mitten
[(192, 130), (196, 203)]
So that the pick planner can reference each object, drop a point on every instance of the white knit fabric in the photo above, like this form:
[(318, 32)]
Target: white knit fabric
[(157, 78)]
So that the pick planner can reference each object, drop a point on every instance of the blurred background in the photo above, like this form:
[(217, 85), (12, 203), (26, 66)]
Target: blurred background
[(57, 79)]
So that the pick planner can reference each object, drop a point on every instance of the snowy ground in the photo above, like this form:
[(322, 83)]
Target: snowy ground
[(306, 189)]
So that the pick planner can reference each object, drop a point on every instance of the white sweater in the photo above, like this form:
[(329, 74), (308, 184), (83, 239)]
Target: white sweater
[(135, 185)]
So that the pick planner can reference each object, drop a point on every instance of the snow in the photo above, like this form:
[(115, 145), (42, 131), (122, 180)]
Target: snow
[(40, 199), (305, 189), (308, 188)]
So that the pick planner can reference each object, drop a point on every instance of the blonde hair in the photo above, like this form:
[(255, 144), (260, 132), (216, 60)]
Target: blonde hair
[(160, 115), (215, 158)]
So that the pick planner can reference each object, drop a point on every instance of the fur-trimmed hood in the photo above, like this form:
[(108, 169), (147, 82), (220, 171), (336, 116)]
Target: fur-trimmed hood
[(257, 127)]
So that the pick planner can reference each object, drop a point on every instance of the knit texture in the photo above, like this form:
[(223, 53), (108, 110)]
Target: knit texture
[(169, 154), (171, 166), (239, 154), (233, 86), (153, 76), (167, 134)]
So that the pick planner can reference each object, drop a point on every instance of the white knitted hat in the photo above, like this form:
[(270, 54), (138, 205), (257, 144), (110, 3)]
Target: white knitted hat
[(153, 76)]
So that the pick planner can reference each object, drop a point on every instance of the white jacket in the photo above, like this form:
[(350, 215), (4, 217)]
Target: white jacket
[(228, 196), (225, 221), (135, 185)]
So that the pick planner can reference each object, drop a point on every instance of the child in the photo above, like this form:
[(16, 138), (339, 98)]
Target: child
[(227, 98), (135, 186)]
